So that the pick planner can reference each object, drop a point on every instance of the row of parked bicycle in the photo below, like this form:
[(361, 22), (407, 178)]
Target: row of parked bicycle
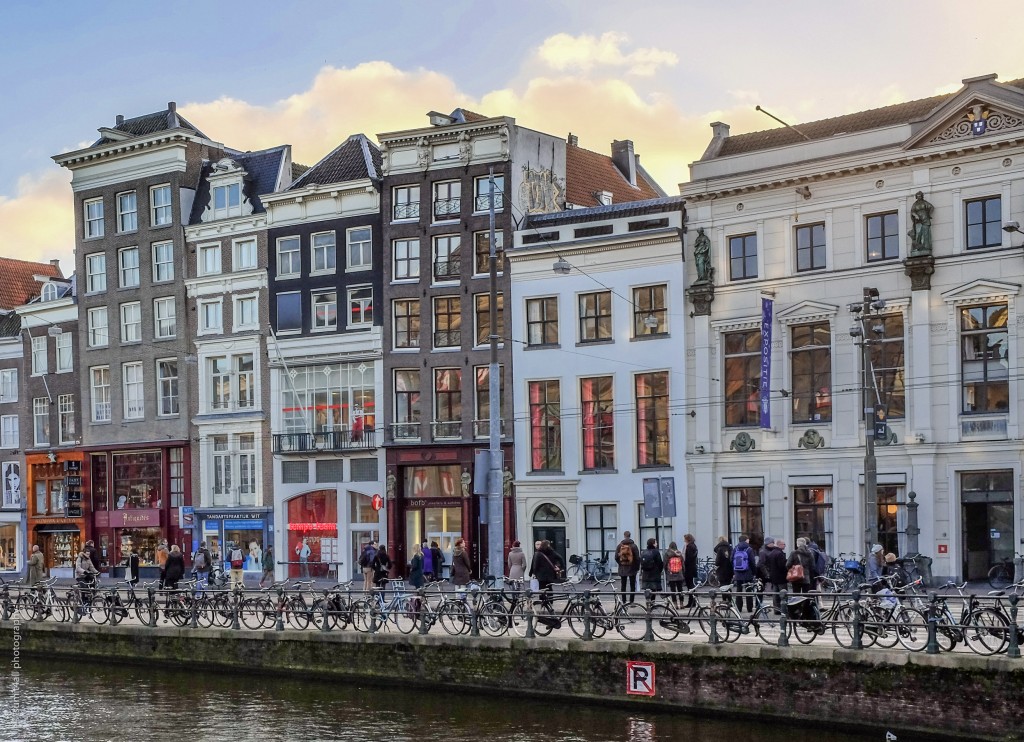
[(885, 615)]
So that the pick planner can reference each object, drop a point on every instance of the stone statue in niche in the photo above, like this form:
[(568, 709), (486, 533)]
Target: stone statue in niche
[(921, 226), (391, 481), (422, 153), (465, 147), (506, 482), (702, 256), (467, 479)]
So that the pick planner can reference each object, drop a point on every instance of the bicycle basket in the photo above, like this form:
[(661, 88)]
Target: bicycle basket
[(575, 559), (852, 565)]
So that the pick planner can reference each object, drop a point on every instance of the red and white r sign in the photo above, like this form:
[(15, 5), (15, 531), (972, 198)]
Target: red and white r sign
[(640, 678)]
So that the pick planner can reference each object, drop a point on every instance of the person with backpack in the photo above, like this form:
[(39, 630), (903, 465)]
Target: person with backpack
[(366, 564), (627, 556), (674, 573), (723, 561), (237, 559), (428, 562), (381, 566), (201, 563), (743, 563), (651, 567), (820, 560)]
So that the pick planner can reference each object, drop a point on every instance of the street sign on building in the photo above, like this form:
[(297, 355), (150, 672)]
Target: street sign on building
[(377, 501), (652, 497)]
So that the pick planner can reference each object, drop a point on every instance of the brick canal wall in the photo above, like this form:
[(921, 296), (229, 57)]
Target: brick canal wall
[(922, 696)]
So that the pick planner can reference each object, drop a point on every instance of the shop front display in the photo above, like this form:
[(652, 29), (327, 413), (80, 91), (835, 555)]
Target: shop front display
[(10, 547), (433, 507), (312, 534), (223, 530)]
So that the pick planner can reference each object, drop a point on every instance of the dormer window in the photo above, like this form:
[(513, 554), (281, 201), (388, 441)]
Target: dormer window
[(50, 292), (227, 201)]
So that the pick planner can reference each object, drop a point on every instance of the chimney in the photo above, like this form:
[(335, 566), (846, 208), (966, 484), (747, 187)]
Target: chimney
[(55, 262), (720, 130), (172, 115), (119, 120), (573, 140), (624, 159)]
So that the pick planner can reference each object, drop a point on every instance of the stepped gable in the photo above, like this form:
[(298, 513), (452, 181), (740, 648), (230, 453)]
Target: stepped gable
[(18, 284)]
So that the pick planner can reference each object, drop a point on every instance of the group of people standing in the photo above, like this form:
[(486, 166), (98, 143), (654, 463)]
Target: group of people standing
[(677, 567)]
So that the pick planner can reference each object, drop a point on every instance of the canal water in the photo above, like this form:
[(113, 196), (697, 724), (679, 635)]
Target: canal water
[(66, 700)]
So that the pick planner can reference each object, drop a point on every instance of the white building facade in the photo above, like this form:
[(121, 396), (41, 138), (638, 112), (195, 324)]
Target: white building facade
[(599, 363), (809, 219)]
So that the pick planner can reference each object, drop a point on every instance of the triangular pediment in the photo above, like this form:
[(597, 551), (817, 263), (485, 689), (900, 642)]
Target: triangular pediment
[(983, 289), (807, 311), (982, 109)]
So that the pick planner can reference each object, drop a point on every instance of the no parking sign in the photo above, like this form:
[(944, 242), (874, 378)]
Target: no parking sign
[(640, 678)]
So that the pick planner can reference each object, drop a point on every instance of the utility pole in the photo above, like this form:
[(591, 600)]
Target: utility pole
[(865, 311), (495, 506)]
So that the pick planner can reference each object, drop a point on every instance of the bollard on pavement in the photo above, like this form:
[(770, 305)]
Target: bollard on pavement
[(933, 618), (783, 618), (1013, 652)]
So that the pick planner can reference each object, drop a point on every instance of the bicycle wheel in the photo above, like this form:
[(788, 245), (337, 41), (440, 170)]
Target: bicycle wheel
[(986, 631), (222, 610), (912, 629), (25, 605), (730, 624), (1000, 577), (631, 621), (142, 611), (665, 622), (403, 614), (886, 626), (177, 611), (517, 619), (454, 617), (362, 615), (767, 625), (296, 613), (257, 613), (98, 610), (493, 619)]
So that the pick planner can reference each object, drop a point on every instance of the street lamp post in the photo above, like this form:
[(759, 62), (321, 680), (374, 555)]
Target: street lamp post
[(864, 312), (495, 509)]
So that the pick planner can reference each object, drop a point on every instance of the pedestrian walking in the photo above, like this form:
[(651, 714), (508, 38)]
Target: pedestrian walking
[(161, 562), (800, 568), (772, 568), (516, 562), (202, 562), (428, 562), (547, 568), (366, 564), (723, 561), (416, 566), (674, 573), (690, 567), (651, 567), (438, 559), (743, 560), (174, 568), (462, 568), (237, 558), (627, 556), (268, 564), (36, 566), (303, 551), (131, 566), (94, 555), (875, 564), (381, 566)]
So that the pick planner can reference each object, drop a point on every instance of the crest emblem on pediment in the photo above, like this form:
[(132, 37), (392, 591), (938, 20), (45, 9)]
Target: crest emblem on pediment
[(975, 121)]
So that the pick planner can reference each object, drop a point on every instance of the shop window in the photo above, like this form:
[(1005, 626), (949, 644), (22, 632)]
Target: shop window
[(338, 398), (9, 548), (313, 519), (137, 480), (100, 482), (143, 540), (176, 457), (361, 508), (892, 519), (433, 481)]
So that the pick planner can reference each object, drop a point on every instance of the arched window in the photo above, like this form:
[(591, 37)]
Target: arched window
[(549, 513), (49, 292)]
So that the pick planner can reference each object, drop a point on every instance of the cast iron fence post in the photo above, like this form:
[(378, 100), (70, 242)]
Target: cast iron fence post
[(473, 605), (857, 625), (193, 614), (531, 633), (933, 617), (152, 607), (325, 616), (713, 609), (1014, 650), (783, 618), (280, 610), (648, 619), (588, 632), (424, 622)]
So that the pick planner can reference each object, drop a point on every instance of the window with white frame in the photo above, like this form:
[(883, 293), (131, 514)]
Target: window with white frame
[(66, 417), (360, 248), (132, 391), (221, 470), (127, 212), (542, 321), (40, 421), (325, 253), (406, 202), (247, 469), (481, 422), (64, 360), (167, 386), (245, 255), (360, 306), (406, 256), (128, 266), (49, 292), (39, 364), (289, 259), (9, 385), (95, 273), (209, 260), (232, 382), (245, 380), (447, 322), (99, 385), (9, 433), (160, 205), (131, 322), (335, 398), (447, 200), (163, 262), (246, 313), (98, 327), (219, 370), (233, 459), (93, 218), (447, 257), (227, 201), (482, 187), (325, 310), (164, 324), (211, 316), (482, 252)]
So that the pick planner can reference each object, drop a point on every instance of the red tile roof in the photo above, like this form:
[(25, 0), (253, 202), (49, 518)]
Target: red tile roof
[(588, 172), (17, 284), (472, 117)]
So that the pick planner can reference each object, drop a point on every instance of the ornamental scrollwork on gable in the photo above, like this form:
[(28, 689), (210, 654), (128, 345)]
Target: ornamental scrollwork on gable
[(967, 125)]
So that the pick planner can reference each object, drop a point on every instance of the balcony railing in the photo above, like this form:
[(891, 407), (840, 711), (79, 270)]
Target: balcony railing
[(447, 208), (407, 211), (448, 339), (482, 428), (342, 439), (446, 430), (447, 270), (405, 431), (483, 203)]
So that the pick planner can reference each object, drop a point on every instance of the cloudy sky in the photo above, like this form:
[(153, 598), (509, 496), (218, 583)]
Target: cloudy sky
[(310, 73)]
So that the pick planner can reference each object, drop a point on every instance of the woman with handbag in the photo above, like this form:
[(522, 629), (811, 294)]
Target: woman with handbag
[(800, 568), (548, 569)]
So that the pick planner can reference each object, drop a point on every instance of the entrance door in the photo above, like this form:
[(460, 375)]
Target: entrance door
[(988, 536), (554, 534)]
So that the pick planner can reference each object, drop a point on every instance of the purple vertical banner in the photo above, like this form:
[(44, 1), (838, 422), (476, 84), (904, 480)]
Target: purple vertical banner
[(766, 362)]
